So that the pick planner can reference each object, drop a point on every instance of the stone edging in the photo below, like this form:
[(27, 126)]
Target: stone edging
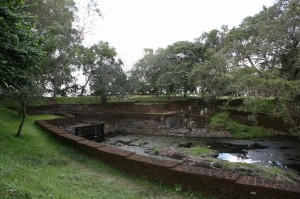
[(210, 182)]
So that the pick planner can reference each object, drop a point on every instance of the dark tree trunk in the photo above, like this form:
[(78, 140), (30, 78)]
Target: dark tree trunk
[(23, 119), (103, 99), (83, 88), (54, 89)]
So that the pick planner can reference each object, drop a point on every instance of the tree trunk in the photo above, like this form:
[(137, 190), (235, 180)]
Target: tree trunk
[(23, 119), (103, 99), (83, 88), (251, 62), (54, 89)]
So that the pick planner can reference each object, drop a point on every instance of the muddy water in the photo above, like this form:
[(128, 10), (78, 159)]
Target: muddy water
[(280, 151)]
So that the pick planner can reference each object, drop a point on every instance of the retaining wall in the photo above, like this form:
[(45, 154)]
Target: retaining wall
[(265, 120), (211, 182)]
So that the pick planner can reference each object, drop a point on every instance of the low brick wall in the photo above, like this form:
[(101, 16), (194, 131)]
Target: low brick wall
[(211, 182)]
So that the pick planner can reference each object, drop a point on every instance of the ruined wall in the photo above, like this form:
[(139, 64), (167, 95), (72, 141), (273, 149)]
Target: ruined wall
[(115, 107), (115, 112), (263, 120), (143, 123), (66, 120), (211, 182)]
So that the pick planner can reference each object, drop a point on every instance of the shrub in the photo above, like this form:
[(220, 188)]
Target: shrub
[(222, 121)]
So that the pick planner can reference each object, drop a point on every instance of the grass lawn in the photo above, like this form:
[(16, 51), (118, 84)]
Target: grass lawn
[(9, 102), (37, 166)]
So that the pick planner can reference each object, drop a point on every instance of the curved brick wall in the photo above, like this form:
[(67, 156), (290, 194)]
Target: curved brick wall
[(211, 182)]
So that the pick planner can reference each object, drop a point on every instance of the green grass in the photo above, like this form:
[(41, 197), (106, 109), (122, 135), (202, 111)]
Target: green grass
[(139, 99), (37, 166), (222, 121), (196, 151), (153, 98), (258, 105), (77, 100)]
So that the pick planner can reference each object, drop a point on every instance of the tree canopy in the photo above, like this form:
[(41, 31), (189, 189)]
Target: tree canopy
[(20, 52), (41, 43)]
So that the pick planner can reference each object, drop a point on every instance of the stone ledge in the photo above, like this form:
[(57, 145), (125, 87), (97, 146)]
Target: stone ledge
[(71, 137), (115, 151), (47, 125), (258, 182), (56, 130), (91, 144), (153, 161), (41, 122), (227, 175)]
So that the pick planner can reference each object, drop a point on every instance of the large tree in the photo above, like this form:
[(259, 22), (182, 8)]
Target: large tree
[(20, 53), (212, 74), (55, 21), (269, 41), (182, 57), (20, 45), (105, 73), (63, 32), (146, 71), (89, 59)]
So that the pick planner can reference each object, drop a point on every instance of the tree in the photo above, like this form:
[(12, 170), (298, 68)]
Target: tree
[(108, 77), (144, 75), (212, 74), (89, 59), (269, 41), (20, 51), (182, 58), (55, 22), (58, 22), (24, 95)]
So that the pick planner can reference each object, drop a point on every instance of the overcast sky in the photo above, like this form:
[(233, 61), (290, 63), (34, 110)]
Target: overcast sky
[(132, 25)]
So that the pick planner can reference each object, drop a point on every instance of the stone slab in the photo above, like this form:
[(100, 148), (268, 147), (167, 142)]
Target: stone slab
[(154, 161)]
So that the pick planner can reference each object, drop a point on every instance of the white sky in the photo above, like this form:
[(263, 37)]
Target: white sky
[(132, 25)]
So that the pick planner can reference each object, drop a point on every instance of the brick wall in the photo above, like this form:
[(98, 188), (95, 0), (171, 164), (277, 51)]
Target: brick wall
[(211, 182)]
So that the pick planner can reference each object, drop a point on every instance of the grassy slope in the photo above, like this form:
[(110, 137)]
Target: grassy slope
[(37, 166), (221, 121)]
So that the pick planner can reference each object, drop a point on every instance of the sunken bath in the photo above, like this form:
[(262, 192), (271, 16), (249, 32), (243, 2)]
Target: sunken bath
[(209, 181), (173, 136)]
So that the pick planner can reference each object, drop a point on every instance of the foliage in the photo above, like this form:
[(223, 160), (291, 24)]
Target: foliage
[(20, 45), (257, 59), (221, 121), (99, 63), (108, 77), (57, 22), (145, 72), (258, 105), (211, 74), (38, 166)]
